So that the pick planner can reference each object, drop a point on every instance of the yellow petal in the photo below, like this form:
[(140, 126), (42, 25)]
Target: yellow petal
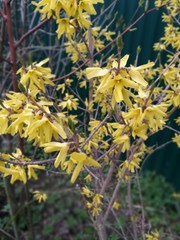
[(61, 157), (118, 92), (53, 146), (8, 171), (31, 173), (14, 178), (95, 72), (78, 157), (128, 83), (43, 62), (91, 162), (59, 129), (124, 60), (144, 66), (106, 83), (37, 167), (22, 174), (76, 171), (58, 160), (126, 98), (137, 77)]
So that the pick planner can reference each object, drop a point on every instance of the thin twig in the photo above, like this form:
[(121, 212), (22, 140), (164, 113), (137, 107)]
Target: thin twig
[(112, 199), (7, 234), (95, 130), (110, 172), (173, 129), (131, 211), (142, 205), (23, 163), (30, 32)]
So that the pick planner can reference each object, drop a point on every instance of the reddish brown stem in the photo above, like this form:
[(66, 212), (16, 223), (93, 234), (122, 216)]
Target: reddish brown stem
[(11, 44), (30, 32), (12, 54)]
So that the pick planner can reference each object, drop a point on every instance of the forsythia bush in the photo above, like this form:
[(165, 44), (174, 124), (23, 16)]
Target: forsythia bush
[(99, 140)]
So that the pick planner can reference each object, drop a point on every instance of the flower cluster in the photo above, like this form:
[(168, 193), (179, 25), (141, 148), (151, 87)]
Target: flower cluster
[(94, 201), (18, 171), (70, 15), (28, 112), (153, 235), (76, 162), (40, 196), (118, 79), (79, 50)]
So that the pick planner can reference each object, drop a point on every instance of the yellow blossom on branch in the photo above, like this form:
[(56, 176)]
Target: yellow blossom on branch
[(55, 147), (85, 191), (97, 199), (122, 140), (77, 13), (69, 102), (119, 78), (35, 77), (176, 139), (130, 165), (176, 195), (18, 172), (78, 161), (116, 205), (31, 172), (40, 196), (153, 235), (88, 178), (65, 26)]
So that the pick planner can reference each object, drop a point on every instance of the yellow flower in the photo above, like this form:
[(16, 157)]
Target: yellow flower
[(130, 165), (176, 98), (97, 199), (31, 172), (96, 211), (176, 195), (176, 139), (43, 129), (140, 131), (35, 77), (69, 102), (54, 147), (108, 34), (159, 47), (16, 173), (76, 12), (3, 120), (87, 5), (85, 191), (155, 116), (159, 3), (178, 120), (116, 205), (119, 78), (40, 196), (65, 25), (124, 140), (70, 7), (154, 235), (88, 178), (81, 159)]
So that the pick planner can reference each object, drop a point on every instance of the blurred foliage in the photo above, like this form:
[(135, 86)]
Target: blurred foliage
[(63, 216)]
